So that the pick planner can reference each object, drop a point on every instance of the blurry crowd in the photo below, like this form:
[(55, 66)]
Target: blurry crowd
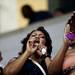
[(65, 6)]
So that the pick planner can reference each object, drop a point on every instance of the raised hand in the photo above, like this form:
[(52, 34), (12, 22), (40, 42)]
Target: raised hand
[(31, 47), (67, 29)]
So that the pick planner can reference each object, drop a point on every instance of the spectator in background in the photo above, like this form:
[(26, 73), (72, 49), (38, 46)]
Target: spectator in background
[(0, 56), (65, 6), (1, 69), (33, 16)]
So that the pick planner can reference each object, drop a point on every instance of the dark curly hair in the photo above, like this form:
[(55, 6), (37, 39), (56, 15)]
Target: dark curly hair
[(48, 40), (71, 22)]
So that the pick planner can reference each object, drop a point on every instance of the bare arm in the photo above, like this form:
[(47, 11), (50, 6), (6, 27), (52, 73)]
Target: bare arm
[(48, 61), (15, 66), (56, 65)]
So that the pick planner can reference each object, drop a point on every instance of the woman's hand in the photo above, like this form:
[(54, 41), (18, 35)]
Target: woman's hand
[(67, 31), (31, 47)]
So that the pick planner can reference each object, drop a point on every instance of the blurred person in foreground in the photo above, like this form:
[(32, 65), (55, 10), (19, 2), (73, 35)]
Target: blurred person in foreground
[(34, 16), (69, 59), (64, 64)]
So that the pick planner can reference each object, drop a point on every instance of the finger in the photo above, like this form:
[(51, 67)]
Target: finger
[(34, 49), (30, 43), (67, 28)]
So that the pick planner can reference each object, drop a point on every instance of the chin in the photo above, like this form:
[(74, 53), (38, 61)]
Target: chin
[(38, 55)]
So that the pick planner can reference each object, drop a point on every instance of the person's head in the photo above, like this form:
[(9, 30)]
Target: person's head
[(42, 36), (71, 22), (27, 11), (0, 56)]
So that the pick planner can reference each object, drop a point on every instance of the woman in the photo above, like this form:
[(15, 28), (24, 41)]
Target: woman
[(34, 58), (64, 61), (55, 67), (1, 69), (69, 59)]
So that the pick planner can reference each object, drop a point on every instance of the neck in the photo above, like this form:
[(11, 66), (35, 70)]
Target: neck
[(36, 59)]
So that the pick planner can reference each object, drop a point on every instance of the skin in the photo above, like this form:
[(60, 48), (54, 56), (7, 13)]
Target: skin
[(32, 48), (35, 48), (55, 67), (70, 49)]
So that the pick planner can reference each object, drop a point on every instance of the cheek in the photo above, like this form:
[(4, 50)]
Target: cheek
[(31, 38)]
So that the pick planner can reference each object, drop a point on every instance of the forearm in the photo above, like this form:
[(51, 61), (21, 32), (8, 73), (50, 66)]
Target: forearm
[(56, 65), (14, 67), (47, 61)]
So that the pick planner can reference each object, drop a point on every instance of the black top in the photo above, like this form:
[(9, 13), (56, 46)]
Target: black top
[(40, 16), (30, 68), (1, 71)]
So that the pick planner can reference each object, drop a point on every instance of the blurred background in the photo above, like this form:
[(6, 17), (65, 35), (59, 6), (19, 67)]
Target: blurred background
[(11, 17), (14, 26)]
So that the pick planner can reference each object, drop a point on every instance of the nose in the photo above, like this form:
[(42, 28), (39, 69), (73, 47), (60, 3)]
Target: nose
[(37, 37)]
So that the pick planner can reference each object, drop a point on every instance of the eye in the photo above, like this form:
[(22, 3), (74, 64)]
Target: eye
[(43, 37), (33, 35)]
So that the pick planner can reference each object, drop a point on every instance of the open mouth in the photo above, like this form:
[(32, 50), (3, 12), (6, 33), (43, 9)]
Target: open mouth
[(36, 41)]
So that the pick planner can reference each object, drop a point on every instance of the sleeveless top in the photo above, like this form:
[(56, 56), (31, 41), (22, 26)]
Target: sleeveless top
[(29, 68)]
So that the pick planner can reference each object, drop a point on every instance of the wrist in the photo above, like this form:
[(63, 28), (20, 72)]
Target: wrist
[(45, 56), (70, 36), (27, 53), (67, 40)]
